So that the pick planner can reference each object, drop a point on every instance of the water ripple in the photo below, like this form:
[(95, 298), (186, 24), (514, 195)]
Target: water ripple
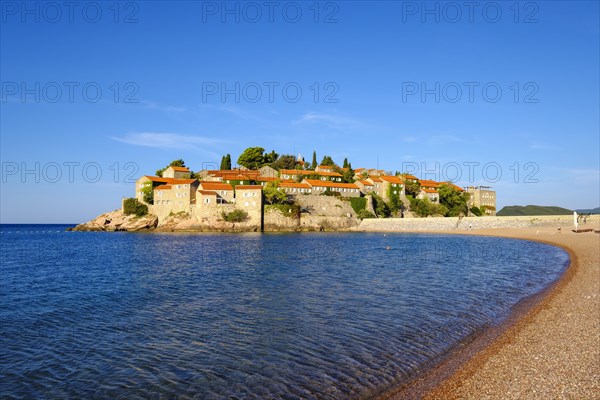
[(95, 315)]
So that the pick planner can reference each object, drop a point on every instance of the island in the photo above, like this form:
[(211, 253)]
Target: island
[(272, 192)]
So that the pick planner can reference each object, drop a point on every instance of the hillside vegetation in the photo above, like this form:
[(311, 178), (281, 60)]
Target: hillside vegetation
[(589, 211), (511, 211)]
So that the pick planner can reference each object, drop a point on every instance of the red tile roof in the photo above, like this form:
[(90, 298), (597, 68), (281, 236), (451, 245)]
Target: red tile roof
[(208, 192), (375, 179), (409, 176), (163, 187), (215, 186), (391, 179), (181, 169), (223, 172), (429, 190), (171, 181), (314, 182), (428, 183), (452, 185), (288, 184), (366, 183), (248, 187), (303, 172), (266, 179)]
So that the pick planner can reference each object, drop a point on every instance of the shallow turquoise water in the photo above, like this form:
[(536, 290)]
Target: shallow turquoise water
[(122, 315)]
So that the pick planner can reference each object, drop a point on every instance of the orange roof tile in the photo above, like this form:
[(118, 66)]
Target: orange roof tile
[(303, 172), (248, 187), (215, 186), (314, 182), (429, 190), (375, 179), (409, 176), (181, 169), (171, 181), (163, 187), (208, 192), (391, 179), (452, 185), (292, 184), (429, 183), (366, 183)]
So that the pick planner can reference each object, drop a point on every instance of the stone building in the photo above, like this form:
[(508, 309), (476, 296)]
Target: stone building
[(344, 189), (176, 172), (482, 197)]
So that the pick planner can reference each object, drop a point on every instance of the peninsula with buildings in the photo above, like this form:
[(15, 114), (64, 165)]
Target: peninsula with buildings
[(269, 192)]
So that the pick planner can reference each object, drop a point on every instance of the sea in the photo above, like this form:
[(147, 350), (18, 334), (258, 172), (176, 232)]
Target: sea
[(281, 315)]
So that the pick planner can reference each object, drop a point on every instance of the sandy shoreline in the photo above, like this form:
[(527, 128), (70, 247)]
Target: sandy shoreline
[(550, 350)]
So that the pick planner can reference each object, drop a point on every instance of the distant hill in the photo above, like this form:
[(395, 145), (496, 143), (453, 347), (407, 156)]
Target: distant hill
[(510, 211), (589, 210)]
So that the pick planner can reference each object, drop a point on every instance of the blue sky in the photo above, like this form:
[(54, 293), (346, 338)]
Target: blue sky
[(397, 85)]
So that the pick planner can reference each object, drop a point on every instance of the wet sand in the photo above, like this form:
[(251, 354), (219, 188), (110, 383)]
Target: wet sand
[(549, 349)]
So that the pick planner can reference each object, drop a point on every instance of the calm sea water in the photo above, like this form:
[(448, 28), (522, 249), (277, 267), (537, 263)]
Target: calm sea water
[(123, 315)]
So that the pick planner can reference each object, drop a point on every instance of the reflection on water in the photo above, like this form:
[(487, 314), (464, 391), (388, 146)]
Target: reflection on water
[(246, 315)]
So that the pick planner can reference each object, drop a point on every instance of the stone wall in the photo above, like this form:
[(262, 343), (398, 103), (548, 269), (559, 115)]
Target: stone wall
[(275, 221), (212, 215), (449, 223), (326, 206)]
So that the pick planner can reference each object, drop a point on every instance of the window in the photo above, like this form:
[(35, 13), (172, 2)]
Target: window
[(207, 201)]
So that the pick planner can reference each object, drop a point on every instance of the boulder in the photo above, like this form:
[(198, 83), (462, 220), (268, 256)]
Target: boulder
[(117, 221)]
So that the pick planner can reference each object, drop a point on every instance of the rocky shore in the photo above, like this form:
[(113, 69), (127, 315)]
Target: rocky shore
[(114, 221)]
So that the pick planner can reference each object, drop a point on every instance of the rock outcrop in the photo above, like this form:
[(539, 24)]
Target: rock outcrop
[(117, 221)]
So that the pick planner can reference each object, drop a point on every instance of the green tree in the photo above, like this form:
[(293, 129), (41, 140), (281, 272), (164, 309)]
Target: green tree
[(358, 203), (252, 158), (174, 163), (235, 216), (313, 165), (133, 206), (328, 161), (411, 187), (345, 165), (453, 200), (421, 207), (271, 157), (381, 208), (363, 214), (274, 195), (476, 211), (225, 162), (348, 176), (286, 161), (148, 193)]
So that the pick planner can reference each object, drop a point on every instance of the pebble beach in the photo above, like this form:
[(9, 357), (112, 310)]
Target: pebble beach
[(549, 351)]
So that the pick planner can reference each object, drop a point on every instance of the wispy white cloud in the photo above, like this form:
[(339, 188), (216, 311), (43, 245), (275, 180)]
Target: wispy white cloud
[(167, 140), (332, 121), (239, 113), (152, 105)]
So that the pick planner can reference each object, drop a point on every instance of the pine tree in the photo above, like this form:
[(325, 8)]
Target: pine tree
[(345, 163), (227, 162), (223, 163), (314, 161)]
